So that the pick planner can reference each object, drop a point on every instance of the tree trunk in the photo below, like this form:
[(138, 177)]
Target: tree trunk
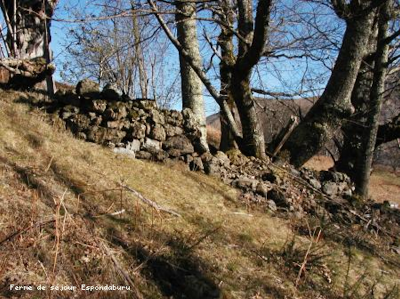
[(225, 42), (192, 87), (376, 99), (353, 128), (28, 23), (31, 25), (327, 115)]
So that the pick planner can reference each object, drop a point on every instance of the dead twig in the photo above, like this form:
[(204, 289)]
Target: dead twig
[(150, 202)]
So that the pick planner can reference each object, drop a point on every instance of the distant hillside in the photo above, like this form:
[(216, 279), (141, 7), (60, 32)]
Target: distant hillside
[(273, 114)]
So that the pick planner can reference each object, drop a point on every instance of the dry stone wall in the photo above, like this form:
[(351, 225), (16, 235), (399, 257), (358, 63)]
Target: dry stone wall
[(133, 126)]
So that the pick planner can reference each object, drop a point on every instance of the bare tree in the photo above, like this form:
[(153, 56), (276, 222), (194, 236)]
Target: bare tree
[(327, 115), (191, 85)]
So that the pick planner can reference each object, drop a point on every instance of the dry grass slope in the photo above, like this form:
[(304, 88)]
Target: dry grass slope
[(65, 220)]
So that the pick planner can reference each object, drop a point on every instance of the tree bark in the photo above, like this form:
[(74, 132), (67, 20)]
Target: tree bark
[(353, 127), (28, 36), (191, 85), (225, 42), (327, 115), (30, 20), (376, 99)]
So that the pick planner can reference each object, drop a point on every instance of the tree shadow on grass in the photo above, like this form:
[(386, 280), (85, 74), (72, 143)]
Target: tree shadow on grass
[(178, 275)]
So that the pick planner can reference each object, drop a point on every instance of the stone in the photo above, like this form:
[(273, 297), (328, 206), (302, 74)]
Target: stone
[(158, 133), (179, 142), (146, 104), (271, 205), (279, 198), (270, 177), (88, 88), (330, 188), (103, 135), (315, 183), (157, 117), (68, 98), (262, 189), (174, 118), (138, 130), (245, 183), (68, 111), (98, 106), (223, 159), (116, 111), (196, 164), (173, 152), (143, 155), (151, 144), (236, 157), (133, 145), (171, 130), (124, 151), (161, 156), (112, 92), (211, 166), (78, 123)]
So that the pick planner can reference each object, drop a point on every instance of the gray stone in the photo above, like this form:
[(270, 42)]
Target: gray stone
[(223, 158), (271, 205), (124, 151), (151, 144), (279, 198), (138, 130), (146, 104), (196, 164), (262, 189), (161, 156), (330, 188), (245, 183), (158, 133), (315, 183), (88, 88), (102, 135), (173, 152), (171, 130), (111, 91), (143, 155), (78, 123), (98, 106), (68, 111), (134, 145), (179, 142), (157, 117)]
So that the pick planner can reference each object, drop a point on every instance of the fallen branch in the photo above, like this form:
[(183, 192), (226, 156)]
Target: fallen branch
[(150, 202), (136, 293)]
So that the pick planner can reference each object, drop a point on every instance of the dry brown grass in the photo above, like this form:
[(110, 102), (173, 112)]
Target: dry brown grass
[(72, 189)]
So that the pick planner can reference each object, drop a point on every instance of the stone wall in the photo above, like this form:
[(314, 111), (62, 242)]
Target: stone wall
[(132, 126)]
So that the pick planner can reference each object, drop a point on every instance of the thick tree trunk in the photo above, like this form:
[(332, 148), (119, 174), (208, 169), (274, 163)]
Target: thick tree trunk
[(28, 24), (192, 87), (225, 42), (327, 115), (353, 128), (376, 99)]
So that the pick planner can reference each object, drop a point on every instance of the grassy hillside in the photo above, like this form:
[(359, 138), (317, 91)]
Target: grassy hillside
[(65, 220)]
